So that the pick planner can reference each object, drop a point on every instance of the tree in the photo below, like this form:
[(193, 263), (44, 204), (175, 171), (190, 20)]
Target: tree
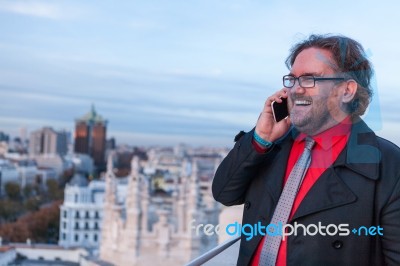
[(53, 190), (15, 232), (27, 191), (32, 204), (10, 210), (66, 177), (40, 226), (13, 190)]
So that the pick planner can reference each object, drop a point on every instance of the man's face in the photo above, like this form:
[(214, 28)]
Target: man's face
[(313, 110)]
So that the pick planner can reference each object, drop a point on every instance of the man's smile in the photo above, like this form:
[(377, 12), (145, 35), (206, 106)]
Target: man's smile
[(302, 102)]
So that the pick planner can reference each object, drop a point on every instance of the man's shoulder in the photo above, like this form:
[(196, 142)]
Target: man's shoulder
[(363, 135), (387, 144), (389, 182), (388, 148)]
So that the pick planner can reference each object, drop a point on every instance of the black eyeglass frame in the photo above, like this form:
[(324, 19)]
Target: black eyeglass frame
[(310, 76)]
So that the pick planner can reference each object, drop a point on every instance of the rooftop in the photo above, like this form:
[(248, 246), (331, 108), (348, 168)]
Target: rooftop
[(79, 180), (92, 117)]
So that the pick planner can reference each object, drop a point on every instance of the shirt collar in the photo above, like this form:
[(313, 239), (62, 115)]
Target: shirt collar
[(328, 138)]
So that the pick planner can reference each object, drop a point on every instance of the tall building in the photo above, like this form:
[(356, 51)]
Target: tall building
[(81, 213), (90, 137), (4, 136), (48, 141)]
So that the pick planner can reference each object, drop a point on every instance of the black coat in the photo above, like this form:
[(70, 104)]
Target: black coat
[(361, 188)]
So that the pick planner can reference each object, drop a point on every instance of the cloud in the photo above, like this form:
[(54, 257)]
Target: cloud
[(36, 9)]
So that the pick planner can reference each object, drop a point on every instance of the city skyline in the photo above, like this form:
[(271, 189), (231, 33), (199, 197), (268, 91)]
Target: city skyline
[(165, 73)]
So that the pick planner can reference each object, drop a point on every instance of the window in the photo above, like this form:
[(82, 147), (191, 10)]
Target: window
[(64, 236), (86, 236), (65, 214), (77, 214), (96, 226), (76, 225), (96, 214), (95, 237), (76, 197), (86, 225), (76, 237), (87, 215), (64, 225)]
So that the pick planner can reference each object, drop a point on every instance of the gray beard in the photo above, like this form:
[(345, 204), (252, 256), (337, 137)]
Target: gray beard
[(310, 126)]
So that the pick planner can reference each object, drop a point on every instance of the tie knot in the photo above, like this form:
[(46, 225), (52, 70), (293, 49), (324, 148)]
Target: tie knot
[(309, 143)]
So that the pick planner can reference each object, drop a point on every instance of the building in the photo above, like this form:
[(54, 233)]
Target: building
[(4, 136), (28, 172), (30, 254), (8, 173), (82, 163), (7, 255), (56, 162), (139, 223), (154, 227), (81, 213), (110, 144), (3, 148), (26, 169), (90, 137), (48, 141)]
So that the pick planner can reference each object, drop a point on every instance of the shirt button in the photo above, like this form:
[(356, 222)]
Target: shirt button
[(337, 244), (247, 205)]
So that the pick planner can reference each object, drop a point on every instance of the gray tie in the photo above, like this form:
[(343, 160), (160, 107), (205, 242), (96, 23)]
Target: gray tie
[(271, 245)]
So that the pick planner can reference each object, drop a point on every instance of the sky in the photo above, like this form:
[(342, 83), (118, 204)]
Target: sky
[(166, 72)]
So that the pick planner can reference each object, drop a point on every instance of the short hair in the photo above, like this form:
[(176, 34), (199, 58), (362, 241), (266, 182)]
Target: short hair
[(350, 59)]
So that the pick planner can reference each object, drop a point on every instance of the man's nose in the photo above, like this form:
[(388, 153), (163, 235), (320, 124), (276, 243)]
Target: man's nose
[(297, 89)]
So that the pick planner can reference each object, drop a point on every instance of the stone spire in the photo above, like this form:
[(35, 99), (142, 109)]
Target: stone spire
[(163, 232), (190, 240), (110, 217), (193, 186), (192, 196), (133, 210), (132, 199), (145, 206), (110, 182)]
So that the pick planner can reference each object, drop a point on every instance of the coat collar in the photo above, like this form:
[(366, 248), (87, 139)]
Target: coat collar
[(361, 154)]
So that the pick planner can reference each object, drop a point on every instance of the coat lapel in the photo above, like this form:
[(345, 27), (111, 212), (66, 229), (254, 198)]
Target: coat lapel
[(328, 192), (278, 167), (274, 182), (361, 156)]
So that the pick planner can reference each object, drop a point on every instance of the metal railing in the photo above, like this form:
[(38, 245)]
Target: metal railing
[(213, 252)]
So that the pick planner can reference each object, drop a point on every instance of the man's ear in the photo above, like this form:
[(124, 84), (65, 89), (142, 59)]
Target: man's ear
[(349, 91)]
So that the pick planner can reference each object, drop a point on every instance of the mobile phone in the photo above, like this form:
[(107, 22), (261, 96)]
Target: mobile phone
[(280, 110)]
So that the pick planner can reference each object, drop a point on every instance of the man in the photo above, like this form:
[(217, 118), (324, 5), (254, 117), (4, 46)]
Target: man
[(321, 169)]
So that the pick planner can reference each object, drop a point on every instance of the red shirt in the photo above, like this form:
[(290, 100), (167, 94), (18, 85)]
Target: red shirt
[(327, 148)]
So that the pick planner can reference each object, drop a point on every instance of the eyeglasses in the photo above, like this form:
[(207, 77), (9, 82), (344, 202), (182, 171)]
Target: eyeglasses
[(305, 81)]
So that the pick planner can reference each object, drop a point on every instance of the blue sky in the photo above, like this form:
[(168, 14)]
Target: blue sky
[(164, 72)]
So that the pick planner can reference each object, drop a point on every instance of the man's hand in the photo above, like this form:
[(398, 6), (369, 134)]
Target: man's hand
[(266, 127)]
